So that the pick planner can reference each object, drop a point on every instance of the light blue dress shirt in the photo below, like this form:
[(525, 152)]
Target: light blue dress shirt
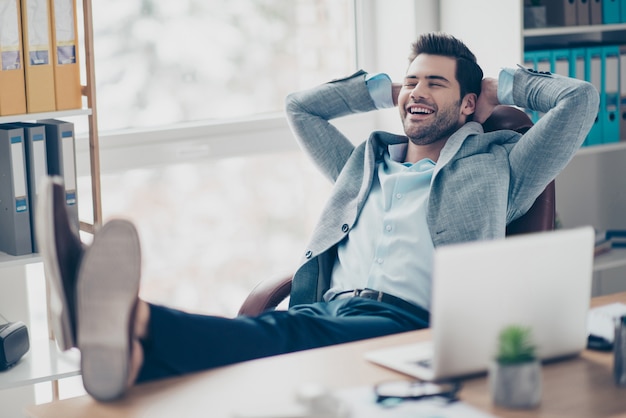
[(380, 250)]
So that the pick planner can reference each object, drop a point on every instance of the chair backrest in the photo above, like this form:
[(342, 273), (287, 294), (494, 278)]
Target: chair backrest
[(541, 215)]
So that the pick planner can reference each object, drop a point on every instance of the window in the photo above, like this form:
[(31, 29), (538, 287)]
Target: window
[(210, 173), (164, 62)]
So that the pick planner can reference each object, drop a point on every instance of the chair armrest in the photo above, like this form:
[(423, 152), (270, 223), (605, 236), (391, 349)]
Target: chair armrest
[(266, 295)]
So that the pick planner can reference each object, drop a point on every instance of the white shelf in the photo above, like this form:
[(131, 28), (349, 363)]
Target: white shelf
[(573, 30), (616, 257), (44, 115), (7, 260), (44, 362), (600, 148)]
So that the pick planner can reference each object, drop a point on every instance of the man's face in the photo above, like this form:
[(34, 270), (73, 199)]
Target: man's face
[(430, 101)]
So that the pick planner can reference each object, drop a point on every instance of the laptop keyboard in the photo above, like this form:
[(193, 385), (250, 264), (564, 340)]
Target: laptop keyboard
[(426, 363)]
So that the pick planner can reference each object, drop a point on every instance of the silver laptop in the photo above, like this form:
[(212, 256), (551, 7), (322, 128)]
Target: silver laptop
[(540, 280)]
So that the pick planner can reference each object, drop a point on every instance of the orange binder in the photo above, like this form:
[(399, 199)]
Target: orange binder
[(12, 88), (65, 54), (38, 56)]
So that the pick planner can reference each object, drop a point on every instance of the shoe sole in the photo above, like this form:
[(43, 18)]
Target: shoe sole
[(45, 233), (107, 294)]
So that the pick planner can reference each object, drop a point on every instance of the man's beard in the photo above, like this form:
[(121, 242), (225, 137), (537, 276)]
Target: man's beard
[(444, 125)]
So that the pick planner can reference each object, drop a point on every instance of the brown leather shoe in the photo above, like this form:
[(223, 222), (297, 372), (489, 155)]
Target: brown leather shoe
[(106, 298), (61, 249)]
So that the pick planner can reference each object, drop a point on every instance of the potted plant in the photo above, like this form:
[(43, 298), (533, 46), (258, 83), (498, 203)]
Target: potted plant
[(515, 374), (535, 15)]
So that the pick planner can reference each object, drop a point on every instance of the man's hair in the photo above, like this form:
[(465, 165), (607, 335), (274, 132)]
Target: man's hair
[(468, 73)]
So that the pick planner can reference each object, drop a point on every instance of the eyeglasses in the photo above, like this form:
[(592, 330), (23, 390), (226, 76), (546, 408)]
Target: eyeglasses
[(397, 391)]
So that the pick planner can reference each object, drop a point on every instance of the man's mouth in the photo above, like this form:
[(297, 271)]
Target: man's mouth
[(419, 110)]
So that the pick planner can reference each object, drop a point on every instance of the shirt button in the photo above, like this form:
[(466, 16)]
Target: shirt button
[(388, 228), (399, 196), (345, 227), (308, 254), (379, 260)]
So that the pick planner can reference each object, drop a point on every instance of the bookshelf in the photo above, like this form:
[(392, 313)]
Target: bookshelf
[(591, 190), (44, 362)]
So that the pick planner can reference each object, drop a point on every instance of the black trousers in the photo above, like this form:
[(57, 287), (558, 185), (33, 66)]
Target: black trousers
[(180, 342)]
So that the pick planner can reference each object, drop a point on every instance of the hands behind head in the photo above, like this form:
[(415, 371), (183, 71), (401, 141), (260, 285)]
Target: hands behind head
[(487, 101)]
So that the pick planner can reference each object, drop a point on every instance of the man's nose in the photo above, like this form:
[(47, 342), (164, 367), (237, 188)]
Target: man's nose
[(420, 90)]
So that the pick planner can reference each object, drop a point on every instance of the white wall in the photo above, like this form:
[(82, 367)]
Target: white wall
[(491, 29)]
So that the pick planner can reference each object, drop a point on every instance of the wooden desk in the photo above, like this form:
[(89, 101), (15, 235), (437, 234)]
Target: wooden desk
[(580, 387)]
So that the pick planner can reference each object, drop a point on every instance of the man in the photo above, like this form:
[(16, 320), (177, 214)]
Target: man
[(367, 269)]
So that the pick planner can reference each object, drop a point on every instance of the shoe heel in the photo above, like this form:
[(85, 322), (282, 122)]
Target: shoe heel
[(104, 372)]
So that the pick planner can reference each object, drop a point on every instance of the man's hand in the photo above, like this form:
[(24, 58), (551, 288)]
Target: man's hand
[(395, 91), (487, 100)]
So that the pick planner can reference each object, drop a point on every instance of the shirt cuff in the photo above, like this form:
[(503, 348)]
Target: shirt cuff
[(505, 86), (379, 87)]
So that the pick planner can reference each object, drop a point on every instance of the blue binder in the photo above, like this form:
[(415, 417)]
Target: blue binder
[(595, 75), (610, 118), (611, 11), (15, 236)]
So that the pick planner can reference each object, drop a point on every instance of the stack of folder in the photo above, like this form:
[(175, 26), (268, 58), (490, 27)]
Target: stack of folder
[(29, 152), (605, 67), (39, 46), (584, 12)]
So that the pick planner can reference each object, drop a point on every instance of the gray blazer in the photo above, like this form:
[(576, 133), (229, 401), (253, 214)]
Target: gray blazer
[(482, 181)]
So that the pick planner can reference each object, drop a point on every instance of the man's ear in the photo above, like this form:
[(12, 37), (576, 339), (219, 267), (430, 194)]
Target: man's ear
[(468, 104)]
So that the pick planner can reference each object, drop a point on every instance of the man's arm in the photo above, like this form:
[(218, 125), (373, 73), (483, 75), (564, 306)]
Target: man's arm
[(569, 106), (309, 113)]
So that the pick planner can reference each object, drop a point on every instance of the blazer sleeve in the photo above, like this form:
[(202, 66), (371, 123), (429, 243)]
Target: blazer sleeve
[(570, 107), (309, 113)]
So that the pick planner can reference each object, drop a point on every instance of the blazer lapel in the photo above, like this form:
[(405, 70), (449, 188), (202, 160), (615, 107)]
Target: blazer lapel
[(454, 144)]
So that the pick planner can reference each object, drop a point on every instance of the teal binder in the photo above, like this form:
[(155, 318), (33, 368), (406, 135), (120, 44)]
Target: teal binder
[(611, 11), (595, 75), (622, 11), (578, 64), (36, 167), (560, 62), (540, 60), (622, 50), (15, 231), (62, 161), (611, 90)]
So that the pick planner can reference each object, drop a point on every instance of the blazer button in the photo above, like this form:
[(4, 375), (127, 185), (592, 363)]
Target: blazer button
[(345, 227), (308, 254)]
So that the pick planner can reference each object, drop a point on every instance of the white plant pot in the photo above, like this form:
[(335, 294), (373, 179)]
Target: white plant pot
[(515, 385)]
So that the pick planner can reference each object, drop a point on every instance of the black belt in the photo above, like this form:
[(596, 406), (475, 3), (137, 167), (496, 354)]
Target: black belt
[(385, 298)]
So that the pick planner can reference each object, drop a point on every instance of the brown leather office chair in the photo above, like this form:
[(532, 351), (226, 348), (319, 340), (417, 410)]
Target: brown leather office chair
[(540, 217)]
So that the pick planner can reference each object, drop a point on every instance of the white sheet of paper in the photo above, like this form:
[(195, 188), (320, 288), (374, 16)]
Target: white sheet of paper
[(601, 320)]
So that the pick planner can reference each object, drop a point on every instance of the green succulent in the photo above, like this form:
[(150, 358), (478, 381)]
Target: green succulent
[(515, 345)]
